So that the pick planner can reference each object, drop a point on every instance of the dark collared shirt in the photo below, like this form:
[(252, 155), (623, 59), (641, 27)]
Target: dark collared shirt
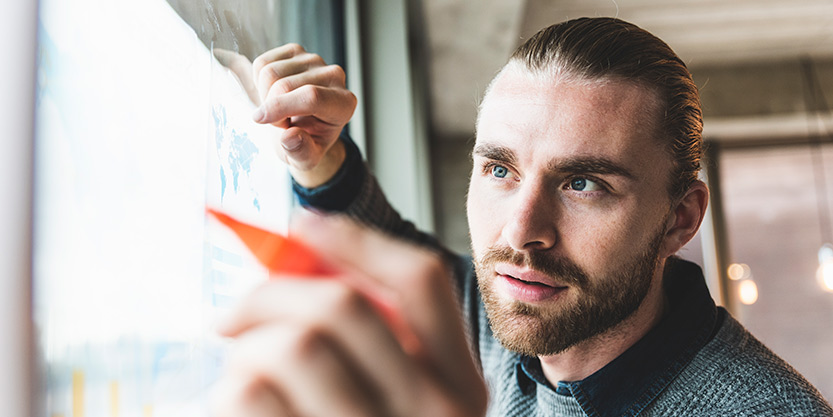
[(337, 193), (633, 380)]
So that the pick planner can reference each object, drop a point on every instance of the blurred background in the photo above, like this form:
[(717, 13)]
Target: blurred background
[(765, 73), (123, 126)]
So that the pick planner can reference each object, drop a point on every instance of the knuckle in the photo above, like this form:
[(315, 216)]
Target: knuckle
[(283, 85), (352, 102), (259, 62), (311, 93), (269, 75), (313, 60), (244, 392), (336, 73), (295, 48), (304, 343), (342, 301), (229, 398)]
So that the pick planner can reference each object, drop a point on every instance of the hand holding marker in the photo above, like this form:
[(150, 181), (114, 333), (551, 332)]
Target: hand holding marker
[(283, 256)]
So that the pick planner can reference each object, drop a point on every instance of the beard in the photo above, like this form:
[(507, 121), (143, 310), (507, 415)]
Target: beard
[(600, 303)]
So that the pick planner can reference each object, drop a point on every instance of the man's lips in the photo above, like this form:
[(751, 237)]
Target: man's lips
[(526, 285), (527, 275)]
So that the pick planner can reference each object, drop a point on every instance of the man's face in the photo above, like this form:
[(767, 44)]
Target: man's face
[(567, 207)]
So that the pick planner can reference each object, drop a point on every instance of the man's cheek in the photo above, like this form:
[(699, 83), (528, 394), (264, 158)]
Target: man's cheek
[(485, 217)]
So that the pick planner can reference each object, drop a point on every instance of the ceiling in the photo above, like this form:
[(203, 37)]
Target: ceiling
[(470, 39), (710, 31)]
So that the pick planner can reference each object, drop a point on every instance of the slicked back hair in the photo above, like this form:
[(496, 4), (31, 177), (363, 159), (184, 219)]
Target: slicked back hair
[(611, 49)]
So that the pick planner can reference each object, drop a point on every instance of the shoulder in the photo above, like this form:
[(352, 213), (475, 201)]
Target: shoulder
[(735, 374)]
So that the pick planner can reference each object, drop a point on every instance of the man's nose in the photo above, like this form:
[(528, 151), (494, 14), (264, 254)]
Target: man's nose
[(531, 225)]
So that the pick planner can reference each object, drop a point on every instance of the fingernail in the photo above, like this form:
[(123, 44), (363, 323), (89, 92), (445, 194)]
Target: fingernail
[(292, 143), (259, 115)]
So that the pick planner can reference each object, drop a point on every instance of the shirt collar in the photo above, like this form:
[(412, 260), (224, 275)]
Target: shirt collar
[(625, 386)]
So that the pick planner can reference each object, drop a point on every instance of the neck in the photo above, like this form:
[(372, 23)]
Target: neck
[(587, 357)]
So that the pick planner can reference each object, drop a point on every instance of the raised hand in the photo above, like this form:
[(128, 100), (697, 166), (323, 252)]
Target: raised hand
[(318, 348), (305, 99)]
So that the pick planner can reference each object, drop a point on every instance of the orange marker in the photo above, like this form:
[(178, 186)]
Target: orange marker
[(284, 255), (279, 254)]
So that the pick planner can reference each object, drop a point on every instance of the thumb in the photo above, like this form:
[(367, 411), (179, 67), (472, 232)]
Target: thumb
[(299, 149)]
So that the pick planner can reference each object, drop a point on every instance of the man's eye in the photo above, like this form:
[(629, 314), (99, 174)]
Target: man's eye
[(583, 184), (499, 171)]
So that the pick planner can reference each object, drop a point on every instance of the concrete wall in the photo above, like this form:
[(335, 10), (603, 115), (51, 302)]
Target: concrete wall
[(759, 89)]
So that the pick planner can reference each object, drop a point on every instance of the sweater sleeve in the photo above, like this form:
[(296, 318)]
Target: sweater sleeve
[(354, 191)]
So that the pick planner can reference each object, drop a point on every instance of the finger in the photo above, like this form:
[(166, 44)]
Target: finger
[(350, 245), (341, 315), (289, 298), (418, 277), (280, 53), (299, 149), (275, 73), (329, 76), (242, 69), (332, 106), (308, 367), (324, 76), (237, 396)]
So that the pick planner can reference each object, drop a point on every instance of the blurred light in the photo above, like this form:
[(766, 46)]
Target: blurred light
[(738, 272), (748, 292), (825, 275), (825, 253)]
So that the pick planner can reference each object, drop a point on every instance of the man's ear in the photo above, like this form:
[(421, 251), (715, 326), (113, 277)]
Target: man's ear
[(686, 216)]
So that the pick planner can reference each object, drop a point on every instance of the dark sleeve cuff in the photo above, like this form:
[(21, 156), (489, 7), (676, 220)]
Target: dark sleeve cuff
[(337, 193)]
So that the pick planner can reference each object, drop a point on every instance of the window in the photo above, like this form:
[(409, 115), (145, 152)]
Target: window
[(139, 127), (774, 229)]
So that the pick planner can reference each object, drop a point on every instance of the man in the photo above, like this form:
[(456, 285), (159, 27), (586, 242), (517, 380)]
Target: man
[(583, 188)]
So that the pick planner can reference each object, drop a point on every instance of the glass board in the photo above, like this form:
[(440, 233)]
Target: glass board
[(138, 129)]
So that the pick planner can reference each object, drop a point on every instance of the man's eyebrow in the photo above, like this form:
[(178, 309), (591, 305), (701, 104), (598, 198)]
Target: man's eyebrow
[(494, 152), (572, 165), (590, 165)]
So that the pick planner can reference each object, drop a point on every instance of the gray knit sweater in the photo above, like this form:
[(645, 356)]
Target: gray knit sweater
[(729, 374), (733, 375)]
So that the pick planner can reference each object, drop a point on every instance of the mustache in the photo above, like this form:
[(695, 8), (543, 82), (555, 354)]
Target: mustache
[(562, 269)]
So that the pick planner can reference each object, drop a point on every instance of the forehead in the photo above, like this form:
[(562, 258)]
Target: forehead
[(548, 113)]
